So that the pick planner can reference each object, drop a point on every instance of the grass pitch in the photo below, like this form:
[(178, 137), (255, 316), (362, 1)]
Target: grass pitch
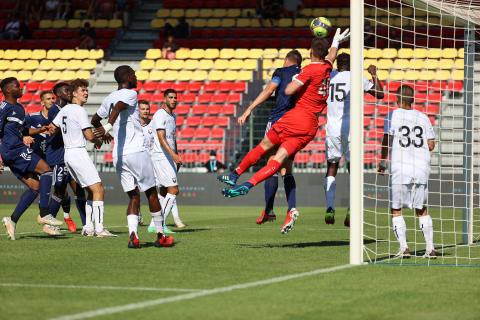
[(46, 278)]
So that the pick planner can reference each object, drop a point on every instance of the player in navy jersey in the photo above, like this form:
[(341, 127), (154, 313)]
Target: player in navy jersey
[(280, 79), (40, 119), (27, 166), (55, 159)]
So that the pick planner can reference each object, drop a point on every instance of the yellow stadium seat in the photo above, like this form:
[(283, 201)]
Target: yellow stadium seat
[(319, 12), (230, 75), (267, 64), (153, 54), (396, 75), (417, 64), (81, 54), (241, 53), (249, 64), (382, 75), (206, 13), (199, 23), (457, 75), (24, 75), (285, 22), (446, 63), (53, 75), (227, 53), (74, 23), (427, 75), (147, 64), (389, 53), (88, 64), (200, 75), (267, 74), (172, 21), (60, 64), (306, 62), (221, 64), (248, 12), (46, 65), (301, 23), (142, 75), (401, 64), (345, 12), (283, 52), (157, 23), (405, 53), (219, 13), (156, 75), (385, 64), (197, 54), (185, 75), (461, 53), (373, 53), (82, 74), (67, 54), (177, 13), (75, 64), (39, 75), (215, 75), (17, 65), (24, 54), (67, 75), (31, 65), (182, 54), (192, 13), (45, 24), (91, 21), (443, 75), (227, 23), (270, 53), (431, 64), (205, 64), (459, 64), (10, 54), (163, 13), (412, 75), (115, 23), (4, 64), (100, 23), (306, 12), (1, 53), (212, 53), (342, 22), (306, 52), (39, 54), (235, 64), (368, 62), (243, 23), (162, 64), (255, 53), (234, 13), (245, 75), (170, 75), (449, 53), (333, 12), (10, 73), (176, 64), (213, 23), (190, 64), (434, 53), (95, 54), (58, 24)]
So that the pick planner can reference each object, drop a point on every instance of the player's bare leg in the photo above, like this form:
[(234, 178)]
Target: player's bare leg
[(158, 218), (400, 231), (426, 225), (329, 186), (133, 209)]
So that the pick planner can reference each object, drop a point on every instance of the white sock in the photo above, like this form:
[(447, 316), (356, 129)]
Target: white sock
[(152, 223), (157, 220), (400, 230), (167, 205), (89, 215), (161, 198), (98, 215), (427, 227), (175, 215), (132, 220), (329, 185)]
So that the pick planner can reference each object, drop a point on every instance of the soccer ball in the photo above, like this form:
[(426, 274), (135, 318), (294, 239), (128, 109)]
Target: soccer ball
[(320, 27)]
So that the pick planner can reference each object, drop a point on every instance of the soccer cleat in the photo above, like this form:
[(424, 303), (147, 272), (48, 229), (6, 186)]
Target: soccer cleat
[(430, 255), (152, 229), (133, 242), (236, 191), (163, 241), (230, 178), (403, 253), (180, 225), (346, 222), (105, 233), (87, 233), (72, 227), (330, 216), (290, 220), (264, 217), (49, 219), (167, 230), (51, 230), (10, 227)]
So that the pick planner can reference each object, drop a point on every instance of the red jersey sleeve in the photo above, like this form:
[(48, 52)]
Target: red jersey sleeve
[(304, 76)]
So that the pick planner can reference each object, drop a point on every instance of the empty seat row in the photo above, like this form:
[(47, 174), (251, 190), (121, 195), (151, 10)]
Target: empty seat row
[(77, 23), (189, 75), (48, 64), (53, 54), (203, 64), (416, 64), (204, 98), (193, 87), (40, 75)]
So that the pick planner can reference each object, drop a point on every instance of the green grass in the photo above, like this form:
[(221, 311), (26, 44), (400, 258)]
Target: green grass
[(223, 247)]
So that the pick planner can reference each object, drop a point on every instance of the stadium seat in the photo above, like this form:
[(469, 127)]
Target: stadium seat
[(199, 109), (217, 133), (222, 121), (208, 121), (188, 97), (228, 110), (202, 133), (193, 121), (179, 121), (187, 133), (182, 109)]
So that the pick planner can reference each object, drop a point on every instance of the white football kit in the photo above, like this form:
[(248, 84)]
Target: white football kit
[(148, 138), (410, 157), (131, 160), (72, 120), (164, 166), (338, 115)]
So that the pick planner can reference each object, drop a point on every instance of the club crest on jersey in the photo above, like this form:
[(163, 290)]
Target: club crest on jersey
[(174, 180)]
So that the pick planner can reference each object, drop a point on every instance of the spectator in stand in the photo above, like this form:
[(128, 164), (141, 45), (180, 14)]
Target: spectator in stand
[(24, 32), (12, 28), (213, 165), (87, 37), (121, 11), (291, 8), (368, 38), (182, 29), (169, 48), (268, 10), (51, 8)]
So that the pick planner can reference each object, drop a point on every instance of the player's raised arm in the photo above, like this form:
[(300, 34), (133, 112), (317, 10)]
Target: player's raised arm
[(261, 98), (338, 38), (377, 90)]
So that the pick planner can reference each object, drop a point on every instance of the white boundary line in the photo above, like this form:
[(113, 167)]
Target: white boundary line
[(60, 286), (193, 295)]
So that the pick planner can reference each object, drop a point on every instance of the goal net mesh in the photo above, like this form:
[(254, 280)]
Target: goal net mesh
[(431, 46)]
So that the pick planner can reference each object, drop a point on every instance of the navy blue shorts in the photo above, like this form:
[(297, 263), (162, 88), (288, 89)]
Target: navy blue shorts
[(61, 176), (21, 161)]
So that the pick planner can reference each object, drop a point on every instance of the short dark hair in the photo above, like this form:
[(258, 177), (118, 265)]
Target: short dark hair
[(6, 82), (77, 83), (121, 73), (405, 94), (44, 93), (143, 102), (168, 91), (319, 47), (294, 56), (57, 86), (343, 61)]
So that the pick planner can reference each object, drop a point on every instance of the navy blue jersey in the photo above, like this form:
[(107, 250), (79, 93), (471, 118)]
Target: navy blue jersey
[(282, 77), (12, 126), (55, 149), (37, 120)]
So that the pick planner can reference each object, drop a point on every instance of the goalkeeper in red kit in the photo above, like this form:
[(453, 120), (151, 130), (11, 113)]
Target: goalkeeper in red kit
[(297, 127)]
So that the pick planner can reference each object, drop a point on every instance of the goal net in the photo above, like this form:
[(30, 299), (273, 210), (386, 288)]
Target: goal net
[(431, 46)]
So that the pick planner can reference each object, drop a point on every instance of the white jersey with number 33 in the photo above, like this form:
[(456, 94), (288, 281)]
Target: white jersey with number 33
[(410, 156)]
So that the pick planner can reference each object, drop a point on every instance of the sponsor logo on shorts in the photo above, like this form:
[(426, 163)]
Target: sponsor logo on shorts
[(26, 156)]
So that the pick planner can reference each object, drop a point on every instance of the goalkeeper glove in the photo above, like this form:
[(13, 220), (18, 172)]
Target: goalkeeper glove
[(340, 37)]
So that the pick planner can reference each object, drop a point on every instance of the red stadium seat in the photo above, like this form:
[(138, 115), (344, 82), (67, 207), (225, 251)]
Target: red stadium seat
[(153, 108), (157, 97), (46, 86), (390, 98), (202, 133), (182, 109), (219, 98), (180, 86), (182, 144), (209, 121), (188, 97), (217, 133), (438, 85), (322, 120), (194, 86), (419, 107), (214, 109), (32, 108), (205, 98), (302, 158), (432, 109), (226, 86), (379, 122), (193, 121), (210, 86), (240, 87), (200, 109), (368, 98), (455, 86), (203, 157), (228, 110), (234, 98), (108, 157), (318, 158), (179, 121), (435, 97), (139, 86), (421, 86), (420, 97), (369, 109), (32, 86), (382, 109), (162, 86), (150, 86), (187, 133), (375, 134), (366, 122), (145, 96), (223, 121), (26, 98), (189, 157)]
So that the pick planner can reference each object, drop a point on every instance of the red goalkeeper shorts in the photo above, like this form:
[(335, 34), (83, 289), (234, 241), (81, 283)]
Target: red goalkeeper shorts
[(294, 130)]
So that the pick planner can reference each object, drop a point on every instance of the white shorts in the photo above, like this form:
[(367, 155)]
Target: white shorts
[(165, 170), (135, 170), (413, 196), (81, 167), (336, 147)]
